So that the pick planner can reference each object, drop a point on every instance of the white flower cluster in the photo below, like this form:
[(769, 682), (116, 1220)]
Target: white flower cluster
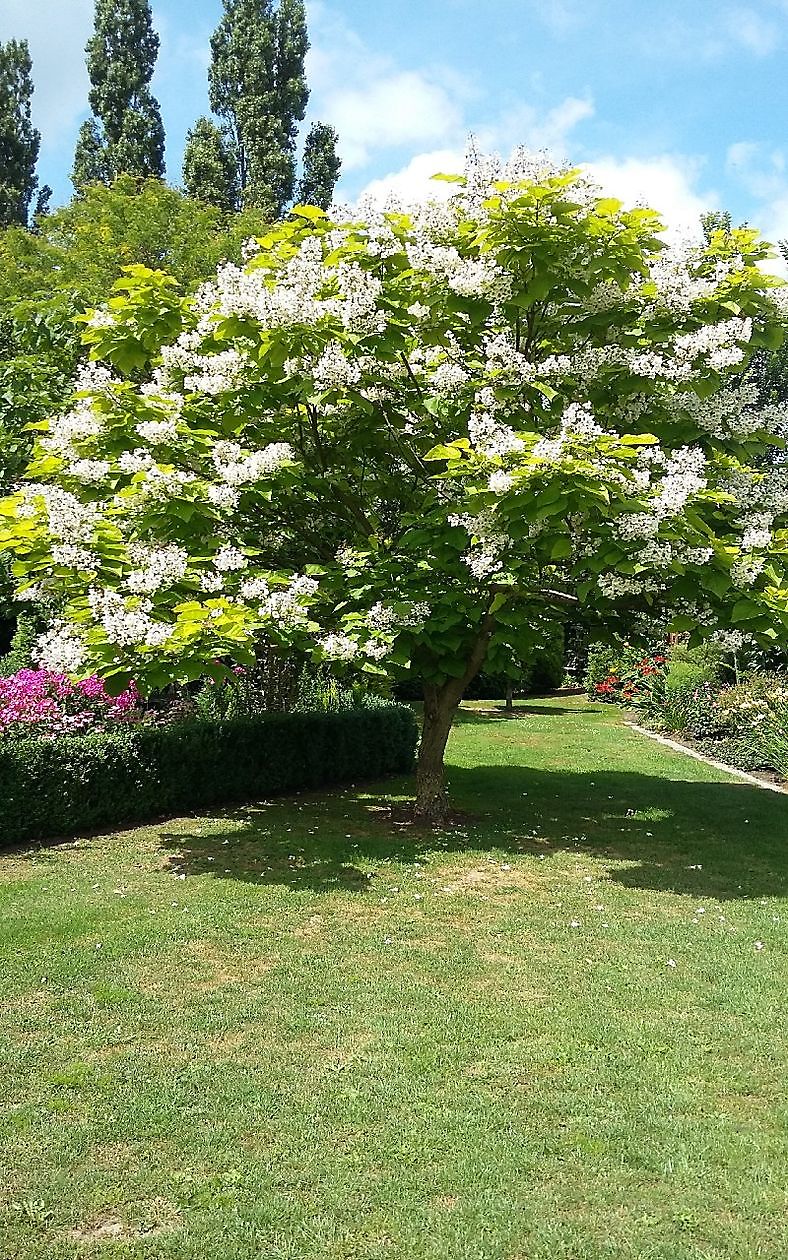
[(673, 274), (338, 647), (157, 432), (492, 439), (135, 461), (236, 468), (578, 421), (757, 532), (70, 428), (607, 296), (286, 607), (160, 484), (448, 379), (614, 585), (101, 318), (229, 559), (503, 358), (468, 277), (500, 482), (60, 649), (484, 561), (296, 294), (683, 477), (89, 471), (158, 567), (384, 619), (124, 624), (719, 344), (216, 373), (729, 640), (72, 556), (68, 519), (730, 411), (92, 378), (223, 497), (334, 370), (747, 569), (636, 525)]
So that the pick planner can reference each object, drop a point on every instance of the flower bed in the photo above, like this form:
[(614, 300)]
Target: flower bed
[(44, 702), (624, 675)]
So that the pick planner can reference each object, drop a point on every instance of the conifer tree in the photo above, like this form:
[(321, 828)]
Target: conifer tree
[(19, 139), (258, 89), (126, 134), (321, 166), (209, 168)]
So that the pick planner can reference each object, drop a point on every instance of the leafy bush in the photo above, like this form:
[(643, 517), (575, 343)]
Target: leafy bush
[(691, 705), (744, 725), (20, 653), (135, 773)]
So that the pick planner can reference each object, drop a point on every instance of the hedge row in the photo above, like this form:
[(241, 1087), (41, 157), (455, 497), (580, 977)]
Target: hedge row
[(133, 774)]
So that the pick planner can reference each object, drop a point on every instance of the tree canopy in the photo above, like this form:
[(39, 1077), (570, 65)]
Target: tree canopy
[(412, 444), (126, 133), (19, 139)]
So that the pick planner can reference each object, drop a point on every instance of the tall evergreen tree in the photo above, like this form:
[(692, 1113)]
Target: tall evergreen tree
[(126, 134), (258, 89), (19, 139), (321, 166), (209, 168)]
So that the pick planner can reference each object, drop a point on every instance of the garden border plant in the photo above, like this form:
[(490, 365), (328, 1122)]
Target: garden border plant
[(54, 787)]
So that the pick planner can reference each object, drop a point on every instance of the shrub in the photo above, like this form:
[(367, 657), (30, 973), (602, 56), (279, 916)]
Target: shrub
[(20, 653), (54, 787), (691, 705)]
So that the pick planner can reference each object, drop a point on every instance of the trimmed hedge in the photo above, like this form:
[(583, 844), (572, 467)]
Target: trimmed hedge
[(56, 787)]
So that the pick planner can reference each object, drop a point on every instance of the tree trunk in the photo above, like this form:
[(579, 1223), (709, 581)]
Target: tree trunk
[(509, 697), (440, 706)]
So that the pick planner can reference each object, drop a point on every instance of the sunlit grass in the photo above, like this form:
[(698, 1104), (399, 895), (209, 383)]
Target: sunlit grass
[(299, 1030)]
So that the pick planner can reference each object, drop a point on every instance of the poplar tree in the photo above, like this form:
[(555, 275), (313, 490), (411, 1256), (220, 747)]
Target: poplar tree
[(209, 168), (257, 87), (126, 134), (19, 139), (321, 166)]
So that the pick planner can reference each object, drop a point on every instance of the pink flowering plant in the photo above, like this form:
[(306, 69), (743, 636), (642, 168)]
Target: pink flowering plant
[(412, 439), (42, 702)]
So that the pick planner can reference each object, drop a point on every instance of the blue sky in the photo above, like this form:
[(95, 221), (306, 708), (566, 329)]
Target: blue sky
[(678, 102)]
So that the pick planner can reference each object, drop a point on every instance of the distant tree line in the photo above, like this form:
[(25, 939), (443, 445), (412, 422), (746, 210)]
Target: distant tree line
[(245, 157)]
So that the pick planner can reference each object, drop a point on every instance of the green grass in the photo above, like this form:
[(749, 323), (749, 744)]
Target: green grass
[(299, 1031)]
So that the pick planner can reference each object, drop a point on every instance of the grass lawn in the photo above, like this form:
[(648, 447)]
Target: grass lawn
[(297, 1032)]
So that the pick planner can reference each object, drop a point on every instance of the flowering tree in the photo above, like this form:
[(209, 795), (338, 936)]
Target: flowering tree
[(412, 441)]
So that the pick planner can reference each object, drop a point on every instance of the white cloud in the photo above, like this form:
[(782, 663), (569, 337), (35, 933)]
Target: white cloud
[(745, 26), (404, 108), (521, 126), (758, 168), (374, 103), (524, 124), (560, 16), (666, 183), (414, 182)]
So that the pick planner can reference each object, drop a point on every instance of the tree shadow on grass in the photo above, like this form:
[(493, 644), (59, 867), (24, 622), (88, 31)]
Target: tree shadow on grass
[(722, 840), (493, 710)]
